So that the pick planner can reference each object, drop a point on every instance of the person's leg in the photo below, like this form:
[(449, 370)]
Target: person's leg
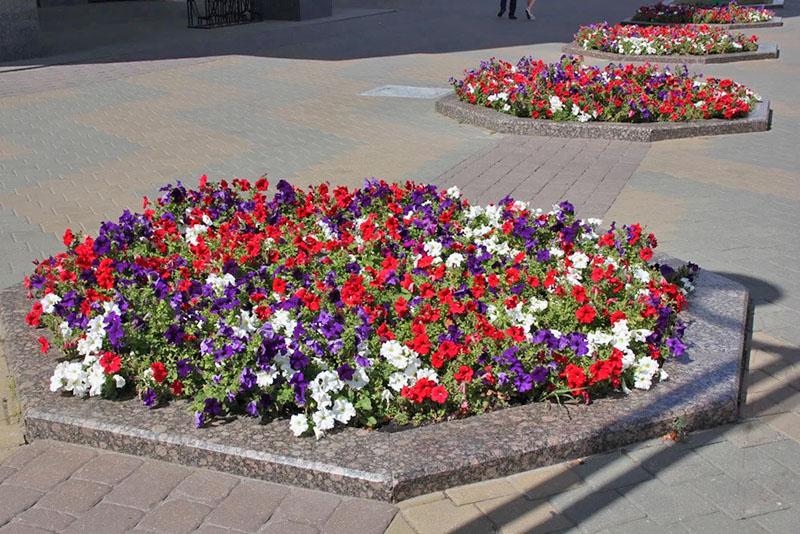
[(502, 8), (529, 9), (512, 8)]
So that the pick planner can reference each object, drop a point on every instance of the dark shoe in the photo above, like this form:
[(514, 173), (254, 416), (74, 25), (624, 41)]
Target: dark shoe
[(512, 17), (528, 14), (501, 13)]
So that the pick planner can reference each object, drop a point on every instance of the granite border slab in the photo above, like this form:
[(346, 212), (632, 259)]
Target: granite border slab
[(773, 23), (703, 391), (774, 4), (764, 51), (759, 120)]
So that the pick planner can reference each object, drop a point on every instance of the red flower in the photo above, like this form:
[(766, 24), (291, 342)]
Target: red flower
[(44, 345), (278, 285), (586, 314), (159, 372), (617, 316), (177, 388), (111, 363), (68, 237), (33, 316), (646, 253), (439, 394), (400, 306), (464, 374)]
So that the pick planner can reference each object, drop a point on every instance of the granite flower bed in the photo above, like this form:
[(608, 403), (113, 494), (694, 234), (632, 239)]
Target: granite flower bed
[(569, 91), (661, 13), (667, 44), (391, 304)]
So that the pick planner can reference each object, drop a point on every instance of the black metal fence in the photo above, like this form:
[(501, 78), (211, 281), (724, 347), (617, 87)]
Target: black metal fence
[(216, 13)]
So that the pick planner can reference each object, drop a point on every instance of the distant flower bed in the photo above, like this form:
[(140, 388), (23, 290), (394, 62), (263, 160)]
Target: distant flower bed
[(683, 13), (571, 91), (398, 303), (663, 40)]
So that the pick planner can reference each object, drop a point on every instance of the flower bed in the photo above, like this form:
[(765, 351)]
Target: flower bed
[(396, 303), (680, 13), (663, 40), (571, 91)]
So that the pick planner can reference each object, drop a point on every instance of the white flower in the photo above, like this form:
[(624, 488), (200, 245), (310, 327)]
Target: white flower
[(454, 192), (395, 353), (579, 260), (359, 380), (428, 373), (298, 424), (646, 368), (343, 410), (266, 378), (397, 381), (193, 232), (65, 329), (49, 302), (433, 248), (556, 104), (454, 261), (119, 381), (641, 275), (219, 283), (323, 420), (283, 323), (538, 305)]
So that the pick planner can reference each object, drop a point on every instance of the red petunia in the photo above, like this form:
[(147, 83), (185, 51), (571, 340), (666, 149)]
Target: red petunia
[(278, 285), (44, 345), (68, 237), (586, 314), (464, 374), (439, 394), (111, 363), (646, 253), (159, 372), (177, 388)]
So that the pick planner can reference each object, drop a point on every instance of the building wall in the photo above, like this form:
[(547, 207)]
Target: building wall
[(19, 29)]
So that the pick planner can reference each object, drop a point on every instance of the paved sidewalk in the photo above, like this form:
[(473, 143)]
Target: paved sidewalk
[(80, 142)]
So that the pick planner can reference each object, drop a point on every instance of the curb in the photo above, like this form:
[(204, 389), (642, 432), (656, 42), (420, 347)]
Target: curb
[(765, 51)]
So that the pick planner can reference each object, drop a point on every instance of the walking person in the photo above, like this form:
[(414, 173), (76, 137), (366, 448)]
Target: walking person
[(512, 8), (528, 12)]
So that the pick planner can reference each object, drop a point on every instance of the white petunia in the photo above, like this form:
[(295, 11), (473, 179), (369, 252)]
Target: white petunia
[(397, 381), (298, 424), (49, 302), (193, 232), (395, 353), (454, 192), (454, 261), (343, 410)]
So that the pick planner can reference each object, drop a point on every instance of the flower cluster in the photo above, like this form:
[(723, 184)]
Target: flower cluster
[(662, 40), (331, 306), (571, 91), (683, 13)]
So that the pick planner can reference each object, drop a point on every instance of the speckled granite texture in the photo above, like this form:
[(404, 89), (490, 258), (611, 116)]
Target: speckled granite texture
[(775, 22), (703, 389), (773, 4), (758, 121), (765, 51)]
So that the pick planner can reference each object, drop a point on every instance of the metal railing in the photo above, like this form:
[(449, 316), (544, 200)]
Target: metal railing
[(216, 13)]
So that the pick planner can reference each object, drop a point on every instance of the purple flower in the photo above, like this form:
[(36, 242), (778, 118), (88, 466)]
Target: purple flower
[(149, 398), (247, 379), (676, 346)]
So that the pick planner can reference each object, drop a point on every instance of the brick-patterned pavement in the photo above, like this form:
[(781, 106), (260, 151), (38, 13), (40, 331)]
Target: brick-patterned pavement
[(134, 109)]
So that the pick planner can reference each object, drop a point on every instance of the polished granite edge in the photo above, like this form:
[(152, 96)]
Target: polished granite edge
[(765, 51), (758, 120), (703, 391)]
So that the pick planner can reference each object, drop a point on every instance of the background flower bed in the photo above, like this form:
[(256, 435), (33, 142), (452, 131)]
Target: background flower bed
[(571, 91), (680, 13), (663, 40), (389, 303)]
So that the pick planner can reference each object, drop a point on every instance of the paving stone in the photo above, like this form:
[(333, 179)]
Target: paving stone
[(787, 423), (74, 496), (421, 499), (740, 499), (429, 518), (209, 487), (109, 468), (720, 523), (6, 472), (307, 506), (673, 464), (399, 525), (752, 432), (643, 526), (16, 527), (738, 463), (281, 526), (57, 463), (545, 481), (480, 491), (359, 515), (175, 515), (786, 452), (248, 506), (25, 454), (148, 485), (674, 503), (596, 510), (516, 513), (106, 518), (47, 519), (609, 471), (14, 499), (780, 521)]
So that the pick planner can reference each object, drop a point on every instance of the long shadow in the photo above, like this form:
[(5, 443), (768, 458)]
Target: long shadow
[(137, 31), (662, 458)]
